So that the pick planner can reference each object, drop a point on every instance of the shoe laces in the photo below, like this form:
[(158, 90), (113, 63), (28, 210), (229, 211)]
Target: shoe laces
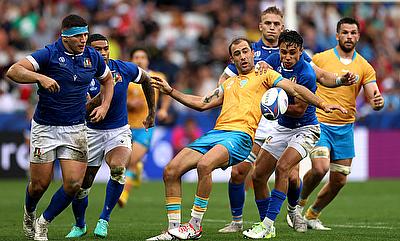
[(103, 224), (258, 227)]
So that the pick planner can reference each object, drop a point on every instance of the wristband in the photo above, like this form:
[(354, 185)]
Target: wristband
[(338, 81)]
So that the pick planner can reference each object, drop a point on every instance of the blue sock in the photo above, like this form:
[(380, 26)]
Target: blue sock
[(262, 206), (79, 208), (293, 194), (113, 192), (275, 204), (58, 203), (30, 202), (236, 198)]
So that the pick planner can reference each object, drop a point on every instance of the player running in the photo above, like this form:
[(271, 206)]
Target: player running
[(110, 139)]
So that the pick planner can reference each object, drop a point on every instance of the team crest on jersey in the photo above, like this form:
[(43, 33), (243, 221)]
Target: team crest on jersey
[(116, 76), (87, 63), (243, 82), (293, 79), (279, 69)]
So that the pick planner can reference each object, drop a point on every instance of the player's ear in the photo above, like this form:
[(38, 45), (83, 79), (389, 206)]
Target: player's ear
[(260, 27)]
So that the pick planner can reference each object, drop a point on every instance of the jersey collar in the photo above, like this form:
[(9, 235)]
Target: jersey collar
[(263, 46), (338, 56)]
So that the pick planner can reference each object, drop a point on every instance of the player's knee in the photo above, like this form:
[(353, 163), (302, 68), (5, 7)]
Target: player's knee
[(118, 174), (82, 193), (204, 168), (170, 173), (258, 178), (282, 171), (238, 176), (38, 188), (72, 187)]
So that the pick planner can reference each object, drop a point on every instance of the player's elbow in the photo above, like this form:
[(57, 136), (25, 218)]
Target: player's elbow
[(11, 72)]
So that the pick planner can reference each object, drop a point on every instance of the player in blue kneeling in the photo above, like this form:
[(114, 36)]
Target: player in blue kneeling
[(110, 139)]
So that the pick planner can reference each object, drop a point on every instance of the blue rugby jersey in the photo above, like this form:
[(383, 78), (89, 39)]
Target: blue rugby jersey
[(303, 74), (73, 73), (123, 73), (261, 53)]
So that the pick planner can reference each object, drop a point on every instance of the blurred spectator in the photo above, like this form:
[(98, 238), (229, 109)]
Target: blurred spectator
[(184, 135)]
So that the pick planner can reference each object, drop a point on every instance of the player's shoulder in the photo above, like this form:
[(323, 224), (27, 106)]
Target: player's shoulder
[(323, 53), (123, 65), (361, 59), (274, 60), (157, 74)]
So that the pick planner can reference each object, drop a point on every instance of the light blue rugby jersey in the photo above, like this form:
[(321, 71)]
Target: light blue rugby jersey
[(73, 73), (123, 73), (303, 74), (261, 53)]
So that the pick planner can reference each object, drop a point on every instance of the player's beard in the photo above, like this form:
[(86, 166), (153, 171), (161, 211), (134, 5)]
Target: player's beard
[(347, 49)]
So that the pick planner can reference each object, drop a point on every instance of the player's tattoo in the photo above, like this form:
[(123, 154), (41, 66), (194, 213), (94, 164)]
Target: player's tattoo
[(208, 99)]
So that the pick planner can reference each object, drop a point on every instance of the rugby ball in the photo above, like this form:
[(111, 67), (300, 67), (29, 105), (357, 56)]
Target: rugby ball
[(274, 103)]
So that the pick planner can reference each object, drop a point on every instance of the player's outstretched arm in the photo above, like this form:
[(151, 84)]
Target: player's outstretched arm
[(148, 91), (374, 96), (306, 95), (212, 99), (23, 72), (330, 80)]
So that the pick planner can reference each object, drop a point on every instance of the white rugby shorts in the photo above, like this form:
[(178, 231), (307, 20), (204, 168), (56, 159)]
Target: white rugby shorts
[(58, 142), (100, 142), (303, 139)]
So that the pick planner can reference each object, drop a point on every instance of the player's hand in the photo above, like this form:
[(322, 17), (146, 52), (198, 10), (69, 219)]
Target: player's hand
[(377, 102), (329, 108), (161, 84), (49, 84), (348, 78), (98, 114), (262, 67), (162, 114), (149, 122)]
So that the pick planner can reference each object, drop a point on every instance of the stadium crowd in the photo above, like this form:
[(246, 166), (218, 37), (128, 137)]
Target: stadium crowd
[(187, 39)]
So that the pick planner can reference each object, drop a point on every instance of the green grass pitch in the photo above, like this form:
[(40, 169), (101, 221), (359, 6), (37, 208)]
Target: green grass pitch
[(362, 211)]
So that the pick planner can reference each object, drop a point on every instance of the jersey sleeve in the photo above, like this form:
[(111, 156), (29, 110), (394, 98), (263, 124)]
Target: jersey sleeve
[(316, 59), (369, 74), (102, 68), (272, 78), (306, 57), (231, 70), (134, 72), (39, 59)]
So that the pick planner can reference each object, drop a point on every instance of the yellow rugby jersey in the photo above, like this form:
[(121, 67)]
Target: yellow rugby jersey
[(241, 105), (343, 95), (135, 91)]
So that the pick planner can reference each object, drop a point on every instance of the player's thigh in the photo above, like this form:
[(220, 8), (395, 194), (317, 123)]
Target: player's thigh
[(289, 159), (265, 165), (218, 156), (184, 161), (138, 152)]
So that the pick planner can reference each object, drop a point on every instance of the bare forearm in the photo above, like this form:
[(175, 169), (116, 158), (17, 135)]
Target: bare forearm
[(307, 96), (191, 101), (149, 93), (19, 74)]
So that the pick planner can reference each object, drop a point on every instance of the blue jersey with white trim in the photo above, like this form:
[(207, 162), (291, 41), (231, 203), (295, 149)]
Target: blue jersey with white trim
[(123, 73), (73, 74), (303, 74)]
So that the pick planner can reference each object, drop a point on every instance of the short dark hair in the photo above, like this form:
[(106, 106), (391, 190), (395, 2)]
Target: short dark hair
[(347, 20), (290, 37), (96, 37), (237, 41), (272, 10), (134, 50), (73, 20)]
